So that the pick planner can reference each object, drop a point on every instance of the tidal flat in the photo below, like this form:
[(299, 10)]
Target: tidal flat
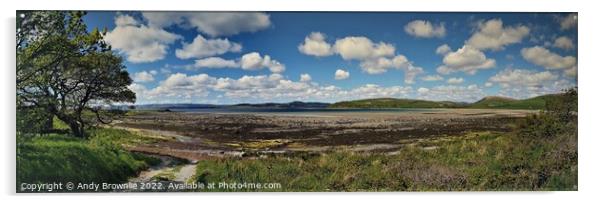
[(197, 135)]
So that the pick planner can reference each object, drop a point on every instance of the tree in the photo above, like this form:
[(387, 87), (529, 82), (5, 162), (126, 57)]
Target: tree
[(66, 71)]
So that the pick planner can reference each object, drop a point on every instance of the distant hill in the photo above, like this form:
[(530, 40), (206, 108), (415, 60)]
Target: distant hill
[(395, 103), (492, 102), (538, 102), (489, 102), (294, 104), (174, 106)]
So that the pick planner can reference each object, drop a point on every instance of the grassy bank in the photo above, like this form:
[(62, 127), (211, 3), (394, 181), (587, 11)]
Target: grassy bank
[(63, 158), (476, 161)]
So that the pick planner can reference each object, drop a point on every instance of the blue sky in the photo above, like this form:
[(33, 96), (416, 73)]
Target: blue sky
[(225, 58)]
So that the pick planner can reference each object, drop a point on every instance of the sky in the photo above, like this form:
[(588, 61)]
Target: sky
[(256, 57)]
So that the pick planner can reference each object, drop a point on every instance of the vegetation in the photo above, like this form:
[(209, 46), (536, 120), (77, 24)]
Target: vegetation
[(63, 158), (538, 102), (535, 103), (66, 72), (541, 154), (394, 103)]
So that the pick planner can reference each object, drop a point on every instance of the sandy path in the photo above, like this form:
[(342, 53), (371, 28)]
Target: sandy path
[(185, 173)]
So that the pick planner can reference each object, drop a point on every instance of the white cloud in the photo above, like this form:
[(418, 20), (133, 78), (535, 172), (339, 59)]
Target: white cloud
[(466, 59), (305, 77), (571, 72), (125, 20), (143, 76), (138, 42), (424, 29), (254, 61), (492, 35), (201, 47), (375, 58), (432, 78), (376, 91), (564, 43), (211, 23), (522, 77), (488, 84), (177, 87), (315, 45), (341, 74), (545, 58), (443, 49), (423, 90), (215, 62), (362, 48), (568, 22), (468, 93), (523, 83), (455, 80)]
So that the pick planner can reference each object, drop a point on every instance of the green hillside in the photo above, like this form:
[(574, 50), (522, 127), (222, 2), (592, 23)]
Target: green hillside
[(394, 103), (492, 102), (538, 102)]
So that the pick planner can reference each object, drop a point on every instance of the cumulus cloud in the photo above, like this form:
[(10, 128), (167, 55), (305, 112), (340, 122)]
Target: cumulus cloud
[(522, 77), (341, 74), (457, 80), (523, 83), (176, 88), (468, 93), (215, 62), (376, 91), (423, 90), (315, 45), (254, 61), (305, 77), (492, 35), (545, 58), (374, 58), (211, 23), (140, 43), (432, 78), (571, 72), (362, 48), (143, 76), (443, 49), (424, 29), (201, 47), (564, 42), (466, 59), (568, 22)]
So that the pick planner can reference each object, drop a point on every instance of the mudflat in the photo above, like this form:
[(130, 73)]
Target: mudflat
[(195, 135)]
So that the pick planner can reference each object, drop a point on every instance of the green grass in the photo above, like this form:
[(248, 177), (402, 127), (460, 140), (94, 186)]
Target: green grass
[(63, 158), (485, 161)]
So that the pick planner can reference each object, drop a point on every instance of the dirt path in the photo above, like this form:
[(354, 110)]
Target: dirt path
[(185, 173), (170, 170)]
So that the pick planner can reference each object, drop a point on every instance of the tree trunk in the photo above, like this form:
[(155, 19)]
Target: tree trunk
[(76, 129)]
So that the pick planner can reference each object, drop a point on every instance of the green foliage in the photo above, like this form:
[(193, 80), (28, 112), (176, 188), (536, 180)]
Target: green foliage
[(559, 118), (65, 70), (62, 158)]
